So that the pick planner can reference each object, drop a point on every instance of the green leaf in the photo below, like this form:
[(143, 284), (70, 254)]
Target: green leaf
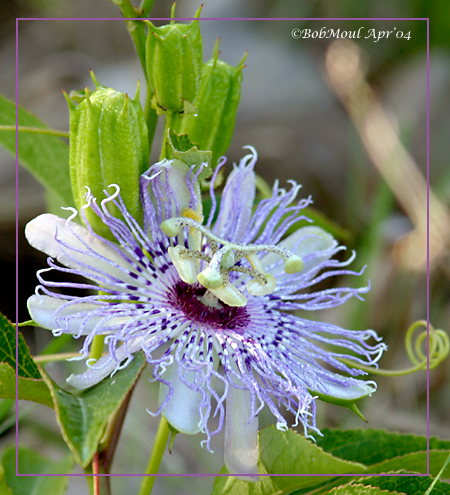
[(32, 389), (31, 462), (82, 416), (45, 156), (27, 367), (416, 461), (31, 385), (359, 489), (287, 453), (181, 148), (411, 485), (374, 446), (180, 142)]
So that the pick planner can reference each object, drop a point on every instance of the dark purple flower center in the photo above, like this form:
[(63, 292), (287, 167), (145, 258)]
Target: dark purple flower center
[(187, 298)]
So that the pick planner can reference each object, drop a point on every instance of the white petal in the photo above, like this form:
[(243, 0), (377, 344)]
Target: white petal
[(178, 172), (312, 244), (103, 367), (42, 309), (41, 232), (241, 436), (182, 410)]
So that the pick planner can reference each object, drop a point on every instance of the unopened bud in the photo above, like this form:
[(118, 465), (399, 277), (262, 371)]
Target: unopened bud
[(211, 127), (174, 60), (108, 145)]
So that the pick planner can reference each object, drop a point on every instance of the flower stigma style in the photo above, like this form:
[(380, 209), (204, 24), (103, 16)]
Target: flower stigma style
[(209, 301)]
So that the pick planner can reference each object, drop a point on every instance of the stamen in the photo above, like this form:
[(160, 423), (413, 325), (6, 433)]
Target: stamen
[(210, 278), (230, 295), (215, 276), (186, 267), (256, 288)]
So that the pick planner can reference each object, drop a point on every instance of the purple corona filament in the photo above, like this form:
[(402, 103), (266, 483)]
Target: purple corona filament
[(207, 301)]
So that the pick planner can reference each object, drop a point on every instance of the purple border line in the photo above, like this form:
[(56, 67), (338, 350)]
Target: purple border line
[(428, 247), (224, 19), (17, 246), (222, 475)]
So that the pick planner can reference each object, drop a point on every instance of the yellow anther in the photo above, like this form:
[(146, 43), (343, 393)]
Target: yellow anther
[(195, 237), (193, 215)]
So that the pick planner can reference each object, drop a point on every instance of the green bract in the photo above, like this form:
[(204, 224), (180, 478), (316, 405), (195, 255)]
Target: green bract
[(108, 145), (211, 127), (174, 61)]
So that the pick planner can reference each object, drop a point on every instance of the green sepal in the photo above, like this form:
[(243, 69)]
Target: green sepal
[(349, 404), (28, 323), (212, 124), (181, 148), (174, 61)]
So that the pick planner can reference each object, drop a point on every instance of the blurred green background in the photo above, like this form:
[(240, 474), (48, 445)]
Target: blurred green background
[(301, 132)]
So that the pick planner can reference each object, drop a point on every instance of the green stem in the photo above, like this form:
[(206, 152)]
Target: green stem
[(151, 117), (28, 323), (441, 472), (35, 130), (382, 372), (48, 358), (55, 345), (146, 7), (97, 347), (262, 187), (162, 435), (136, 30)]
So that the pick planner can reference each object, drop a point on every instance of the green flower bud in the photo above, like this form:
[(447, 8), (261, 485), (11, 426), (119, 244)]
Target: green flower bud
[(108, 145), (174, 62), (211, 128)]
